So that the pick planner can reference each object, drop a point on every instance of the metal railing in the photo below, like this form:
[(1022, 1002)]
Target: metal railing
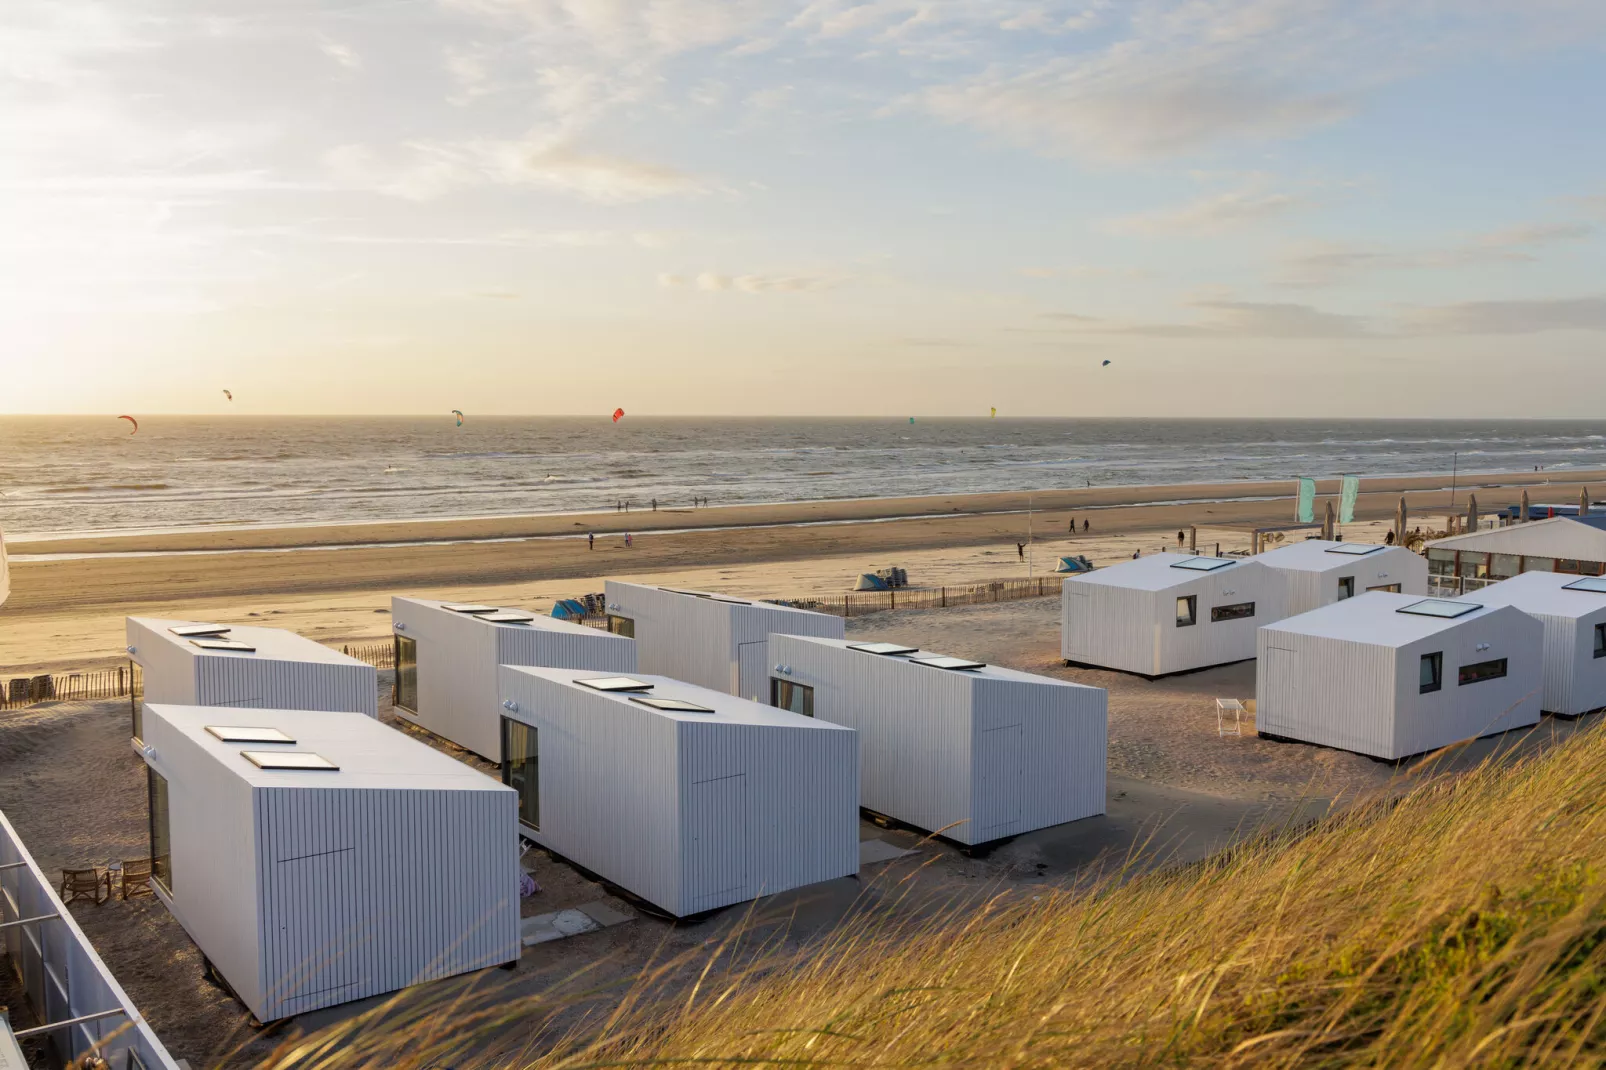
[(81, 1006), (1450, 586)]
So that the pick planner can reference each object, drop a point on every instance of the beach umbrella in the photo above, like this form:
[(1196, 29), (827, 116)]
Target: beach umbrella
[(1329, 517), (1583, 502), (1472, 512), (1522, 518), (1399, 522)]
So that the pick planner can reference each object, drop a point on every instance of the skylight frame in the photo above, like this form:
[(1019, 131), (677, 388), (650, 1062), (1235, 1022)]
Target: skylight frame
[(227, 646), (884, 650), (1355, 549), (255, 734), (1590, 584), (1204, 564), (200, 631), (507, 616), (616, 685), (470, 609), (670, 705), (289, 761), (1461, 608), (949, 662)]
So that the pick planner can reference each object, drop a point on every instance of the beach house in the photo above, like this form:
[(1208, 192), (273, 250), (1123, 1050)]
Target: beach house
[(1572, 610), (1393, 675), (971, 751), (685, 796), (195, 663), (712, 640), (1317, 572), (1575, 545), (1167, 613), (447, 654), (317, 858)]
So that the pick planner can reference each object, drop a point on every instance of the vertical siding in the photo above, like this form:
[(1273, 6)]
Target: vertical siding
[(368, 891), (1332, 692), (922, 732), (1454, 712), (1304, 589), (246, 681), (1574, 679), (170, 673)]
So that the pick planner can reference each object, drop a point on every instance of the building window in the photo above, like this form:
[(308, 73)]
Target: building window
[(1391, 588), (1483, 670), (625, 626), (405, 695), (161, 830), (136, 698), (521, 768), (1187, 611), (1346, 587), (1236, 611), (1432, 677), (1441, 562), (1600, 640), (785, 695)]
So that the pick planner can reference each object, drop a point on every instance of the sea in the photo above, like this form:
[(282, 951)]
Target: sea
[(63, 476)]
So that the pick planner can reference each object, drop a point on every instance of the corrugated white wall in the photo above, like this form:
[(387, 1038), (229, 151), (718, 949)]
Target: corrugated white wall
[(971, 757), (1574, 679), (689, 816), (1425, 722), (1332, 692), (701, 640), (457, 659), (169, 672), (1136, 630), (251, 682), (1305, 590), (367, 891)]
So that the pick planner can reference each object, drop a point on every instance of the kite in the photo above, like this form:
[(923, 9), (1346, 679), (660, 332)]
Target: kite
[(995, 412), (459, 414), (911, 419), (133, 421), (228, 394), (1106, 364), (617, 413)]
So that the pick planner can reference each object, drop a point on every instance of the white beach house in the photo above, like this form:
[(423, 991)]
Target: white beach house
[(685, 796), (1572, 544), (447, 654), (1393, 675), (1167, 613), (972, 751), (317, 858), (1572, 610), (1317, 572), (194, 663), (712, 640)]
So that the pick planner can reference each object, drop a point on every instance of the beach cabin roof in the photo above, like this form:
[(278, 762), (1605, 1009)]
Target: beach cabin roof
[(1157, 572), (723, 599), (1551, 594), (661, 697), (1381, 618), (364, 752), (1324, 555), (1566, 537), (269, 644), (507, 617), (921, 659)]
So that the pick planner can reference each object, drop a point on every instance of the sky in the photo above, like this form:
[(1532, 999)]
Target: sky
[(1248, 207)]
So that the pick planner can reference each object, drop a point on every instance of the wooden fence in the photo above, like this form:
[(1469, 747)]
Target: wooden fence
[(68, 687), (379, 655), (859, 603)]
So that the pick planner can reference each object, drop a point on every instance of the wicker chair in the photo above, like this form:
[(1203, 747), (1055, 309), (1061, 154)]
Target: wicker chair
[(91, 884), (136, 877)]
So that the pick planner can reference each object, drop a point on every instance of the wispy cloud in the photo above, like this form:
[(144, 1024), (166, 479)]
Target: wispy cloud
[(1233, 319), (1330, 265), (1509, 317), (715, 282), (1209, 214), (341, 54), (432, 169)]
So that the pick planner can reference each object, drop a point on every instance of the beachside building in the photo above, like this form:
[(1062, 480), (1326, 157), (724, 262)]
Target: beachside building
[(971, 751), (1574, 545), (447, 654), (317, 858), (712, 640), (1573, 612), (1167, 613), (1318, 572), (1393, 675), (686, 796), (195, 663)]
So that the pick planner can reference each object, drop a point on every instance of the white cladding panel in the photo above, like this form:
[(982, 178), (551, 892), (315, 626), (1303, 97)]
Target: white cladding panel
[(690, 814), (1315, 583), (702, 640), (1366, 697), (306, 896), (169, 673), (975, 756), (1135, 628), (1575, 679), (458, 657)]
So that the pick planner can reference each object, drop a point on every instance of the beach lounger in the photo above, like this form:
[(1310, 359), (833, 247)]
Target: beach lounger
[(136, 877), (93, 884)]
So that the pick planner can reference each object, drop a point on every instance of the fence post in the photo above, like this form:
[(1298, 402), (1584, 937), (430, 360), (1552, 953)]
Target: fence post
[(945, 598), (892, 599), (120, 690)]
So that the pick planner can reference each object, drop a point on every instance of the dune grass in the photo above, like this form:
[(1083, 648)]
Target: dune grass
[(1459, 924)]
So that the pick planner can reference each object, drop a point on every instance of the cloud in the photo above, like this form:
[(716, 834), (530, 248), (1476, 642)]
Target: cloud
[(714, 282), (1234, 319), (433, 169), (1330, 265), (341, 54), (1080, 271), (1211, 214), (1509, 317)]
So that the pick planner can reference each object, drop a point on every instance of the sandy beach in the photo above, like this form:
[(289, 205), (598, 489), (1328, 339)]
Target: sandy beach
[(332, 583)]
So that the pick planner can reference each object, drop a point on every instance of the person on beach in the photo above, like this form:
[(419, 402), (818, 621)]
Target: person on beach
[(1179, 538), (1085, 525), (628, 541), (1073, 525), (591, 540), (655, 505), (1020, 548), (1136, 553)]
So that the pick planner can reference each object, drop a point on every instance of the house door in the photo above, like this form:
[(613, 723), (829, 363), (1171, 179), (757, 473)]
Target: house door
[(1077, 609), (716, 826), (998, 789), (1282, 684), (753, 671)]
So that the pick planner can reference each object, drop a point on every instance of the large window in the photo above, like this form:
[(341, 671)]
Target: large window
[(1346, 587), (1187, 611), (161, 830), (1600, 640), (136, 698), (799, 698), (1391, 588), (625, 626), (1236, 611), (1483, 670), (1432, 674), (406, 694), (521, 768)]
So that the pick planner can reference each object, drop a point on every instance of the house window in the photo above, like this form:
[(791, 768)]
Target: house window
[(405, 695), (1187, 611), (521, 768), (1483, 670), (1432, 677), (799, 698), (1391, 588), (161, 830), (136, 698), (625, 626), (1346, 587), (1600, 640), (1236, 611)]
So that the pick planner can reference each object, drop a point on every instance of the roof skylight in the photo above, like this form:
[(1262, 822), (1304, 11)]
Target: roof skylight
[(229, 733), (190, 631), (1596, 584), (507, 617), (615, 683), (1439, 607), (224, 644), (671, 705), (1204, 564), (1356, 549), (943, 661), (464, 607), (883, 648), (297, 760)]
